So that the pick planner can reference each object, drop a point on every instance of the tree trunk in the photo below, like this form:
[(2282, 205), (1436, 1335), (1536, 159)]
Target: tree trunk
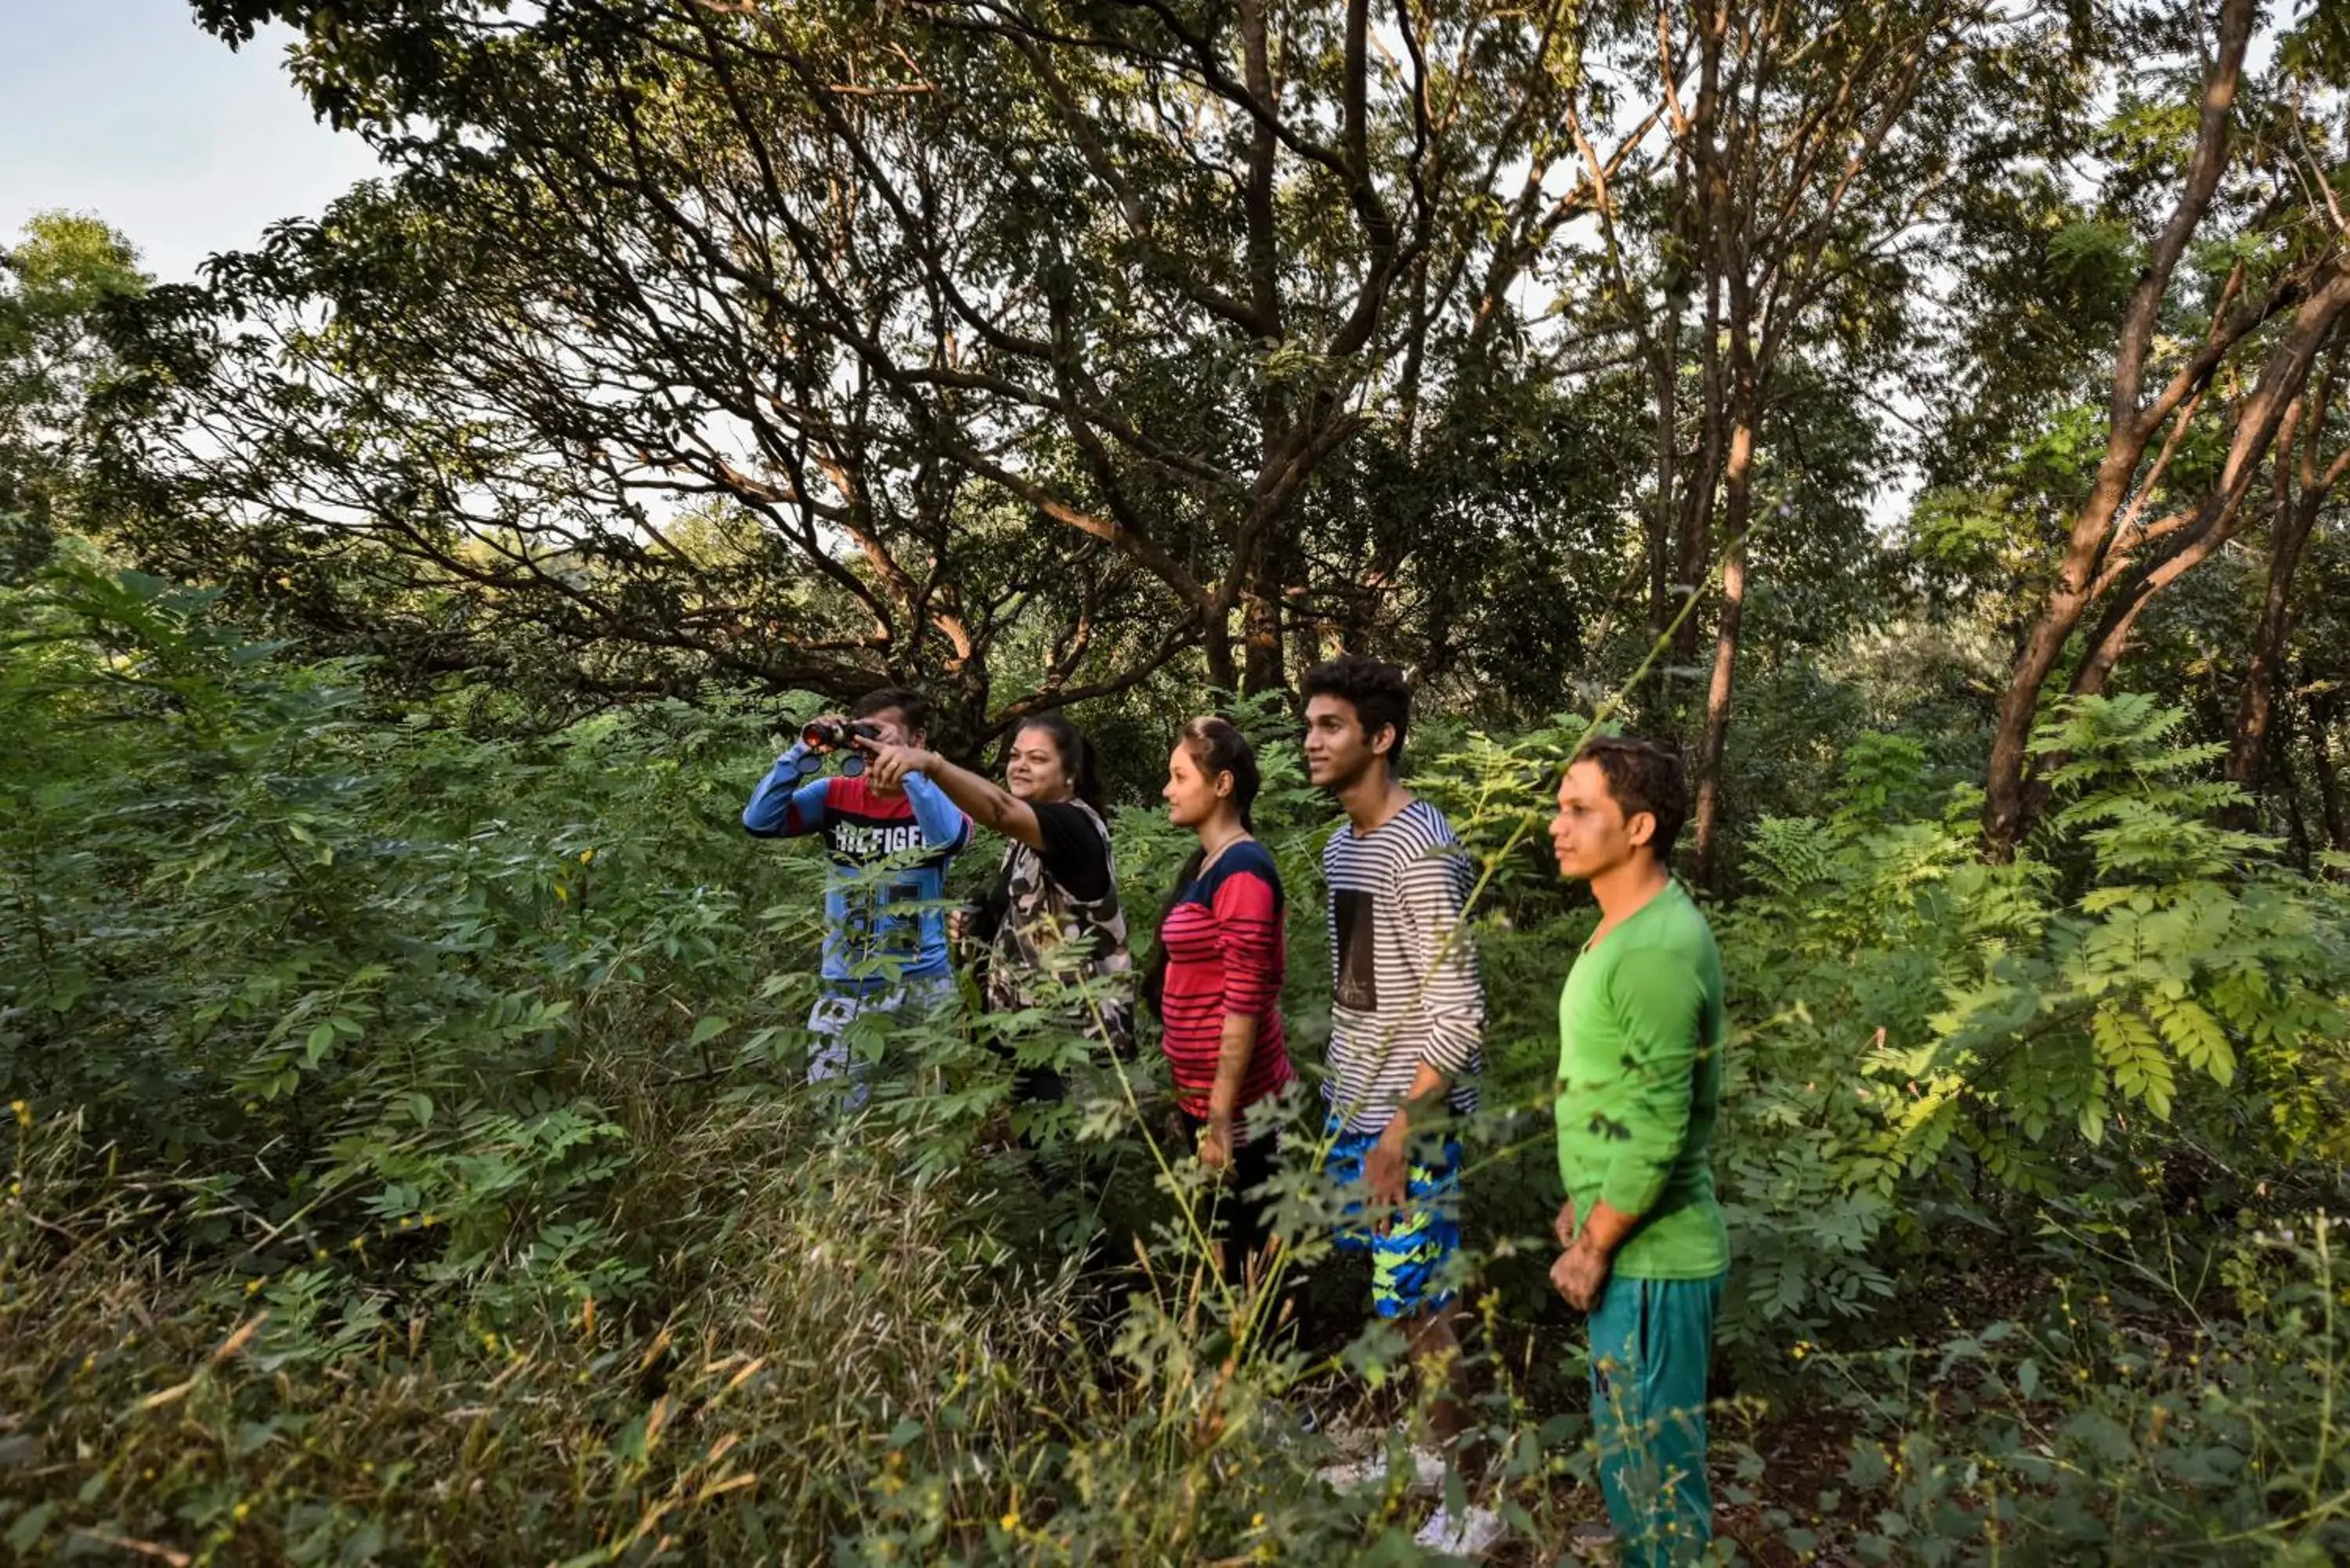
[(2255, 703), (2130, 428), (1711, 215), (1660, 520), (1305, 631), (2296, 823), (1259, 578), (2297, 519), (1696, 542), (2268, 414), (1745, 421), (1716, 697), (1264, 668), (1216, 645), (1735, 405), (2329, 781)]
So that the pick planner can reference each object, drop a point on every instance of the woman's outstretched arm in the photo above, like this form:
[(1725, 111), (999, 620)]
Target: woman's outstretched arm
[(986, 802)]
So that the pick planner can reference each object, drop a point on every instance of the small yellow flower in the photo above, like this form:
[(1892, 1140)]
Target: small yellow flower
[(1011, 1521), (587, 856), (240, 1510)]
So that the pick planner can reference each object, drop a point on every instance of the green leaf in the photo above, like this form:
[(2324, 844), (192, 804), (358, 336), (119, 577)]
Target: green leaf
[(364, 1545), (2132, 1051), (2198, 1039), (28, 1528)]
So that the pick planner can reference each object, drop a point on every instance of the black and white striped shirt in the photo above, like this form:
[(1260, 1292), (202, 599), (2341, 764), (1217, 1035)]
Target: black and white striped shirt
[(1403, 969)]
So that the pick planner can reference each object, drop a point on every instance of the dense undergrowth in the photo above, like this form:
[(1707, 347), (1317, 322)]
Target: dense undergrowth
[(407, 1165)]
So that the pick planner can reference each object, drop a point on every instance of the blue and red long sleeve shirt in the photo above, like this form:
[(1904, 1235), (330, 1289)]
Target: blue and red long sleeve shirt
[(1225, 957), (884, 920)]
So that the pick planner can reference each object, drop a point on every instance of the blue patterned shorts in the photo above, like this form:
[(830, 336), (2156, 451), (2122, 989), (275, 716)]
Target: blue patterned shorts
[(1408, 1260)]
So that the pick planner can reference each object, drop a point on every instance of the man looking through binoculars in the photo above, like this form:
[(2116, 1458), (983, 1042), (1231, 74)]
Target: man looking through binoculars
[(885, 943)]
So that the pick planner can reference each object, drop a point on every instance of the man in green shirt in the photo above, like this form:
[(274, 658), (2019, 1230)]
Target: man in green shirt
[(1639, 1083)]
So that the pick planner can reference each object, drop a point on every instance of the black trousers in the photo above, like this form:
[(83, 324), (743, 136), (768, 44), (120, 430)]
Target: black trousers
[(1237, 1220)]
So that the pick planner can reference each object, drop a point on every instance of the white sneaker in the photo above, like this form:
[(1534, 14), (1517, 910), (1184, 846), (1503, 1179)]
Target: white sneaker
[(1472, 1535), (1363, 1474)]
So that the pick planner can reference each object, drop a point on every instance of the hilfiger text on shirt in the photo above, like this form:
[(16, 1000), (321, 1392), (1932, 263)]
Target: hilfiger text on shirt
[(866, 841)]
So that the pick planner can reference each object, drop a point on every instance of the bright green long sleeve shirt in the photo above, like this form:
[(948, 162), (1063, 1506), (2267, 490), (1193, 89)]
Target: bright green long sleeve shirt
[(1640, 1086)]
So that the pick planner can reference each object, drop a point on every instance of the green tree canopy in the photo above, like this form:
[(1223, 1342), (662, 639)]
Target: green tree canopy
[(58, 285)]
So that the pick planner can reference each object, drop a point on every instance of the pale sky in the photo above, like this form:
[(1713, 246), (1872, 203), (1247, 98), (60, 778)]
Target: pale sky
[(127, 110)]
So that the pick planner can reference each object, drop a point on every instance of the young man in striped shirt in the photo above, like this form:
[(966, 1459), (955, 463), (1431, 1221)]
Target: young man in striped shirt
[(1407, 1014)]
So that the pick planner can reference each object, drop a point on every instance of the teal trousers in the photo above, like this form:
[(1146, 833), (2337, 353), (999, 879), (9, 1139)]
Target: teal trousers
[(1651, 1348)]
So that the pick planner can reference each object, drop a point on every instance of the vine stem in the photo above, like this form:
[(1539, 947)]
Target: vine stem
[(2325, 1397)]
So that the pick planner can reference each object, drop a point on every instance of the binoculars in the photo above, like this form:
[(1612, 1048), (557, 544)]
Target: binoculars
[(834, 736)]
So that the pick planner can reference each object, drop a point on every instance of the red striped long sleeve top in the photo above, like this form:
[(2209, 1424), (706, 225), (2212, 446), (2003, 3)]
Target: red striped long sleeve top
[(1225, 955)]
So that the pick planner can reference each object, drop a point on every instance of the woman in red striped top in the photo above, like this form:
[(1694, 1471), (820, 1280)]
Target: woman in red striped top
[(1216, 979)]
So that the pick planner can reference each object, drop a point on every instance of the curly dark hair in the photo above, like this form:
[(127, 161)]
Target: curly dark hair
[(1378, 691), (1642, 776)]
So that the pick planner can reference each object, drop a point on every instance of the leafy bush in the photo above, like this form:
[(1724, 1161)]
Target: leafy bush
[(409, 1162), (2131, 1420)]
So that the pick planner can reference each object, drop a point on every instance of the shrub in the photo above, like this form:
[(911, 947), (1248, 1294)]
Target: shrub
[(410, 1161)]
